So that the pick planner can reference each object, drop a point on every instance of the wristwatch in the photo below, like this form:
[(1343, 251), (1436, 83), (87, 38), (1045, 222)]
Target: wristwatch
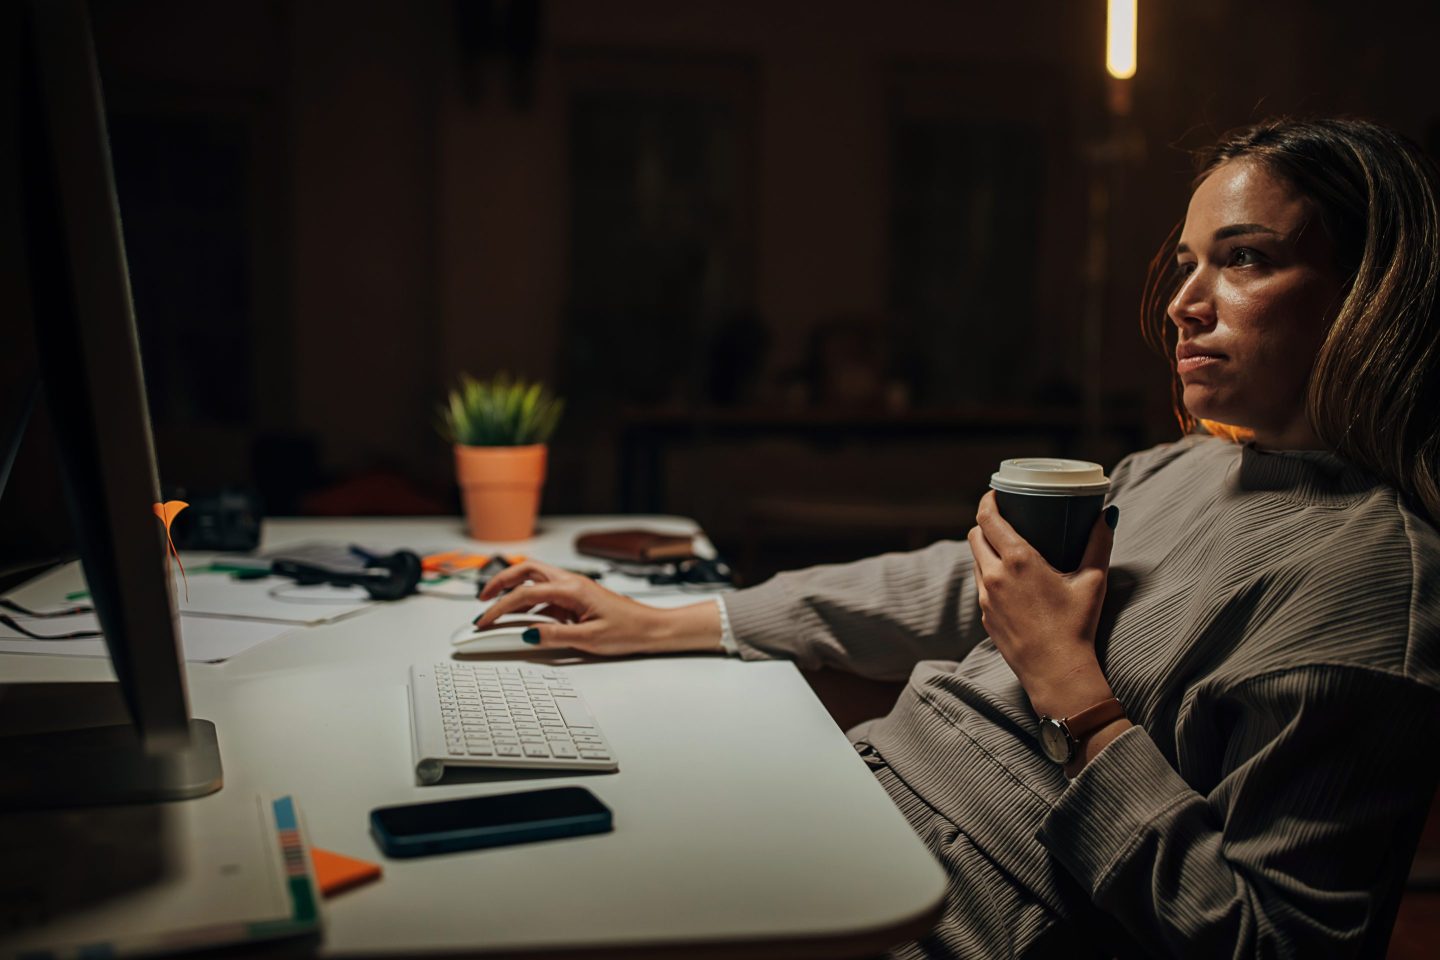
[(1061, 738)]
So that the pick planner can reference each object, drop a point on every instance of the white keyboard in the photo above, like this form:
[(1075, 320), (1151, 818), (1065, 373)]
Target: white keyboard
[(501, 715)]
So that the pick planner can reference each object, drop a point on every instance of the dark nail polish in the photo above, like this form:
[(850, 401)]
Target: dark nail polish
[(531, 636), (1112, 516)]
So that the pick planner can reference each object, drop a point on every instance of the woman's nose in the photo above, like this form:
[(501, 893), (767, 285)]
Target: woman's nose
[(1193, 304)]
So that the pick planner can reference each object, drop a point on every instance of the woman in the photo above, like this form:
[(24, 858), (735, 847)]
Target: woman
[(1268, 617)]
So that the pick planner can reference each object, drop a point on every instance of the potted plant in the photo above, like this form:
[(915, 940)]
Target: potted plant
[(500, 428)]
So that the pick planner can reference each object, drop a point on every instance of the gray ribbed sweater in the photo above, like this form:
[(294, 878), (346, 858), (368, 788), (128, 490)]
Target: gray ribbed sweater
[(1272, 627)]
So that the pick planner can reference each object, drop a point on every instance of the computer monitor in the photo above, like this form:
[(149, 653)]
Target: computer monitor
[(89, 359)]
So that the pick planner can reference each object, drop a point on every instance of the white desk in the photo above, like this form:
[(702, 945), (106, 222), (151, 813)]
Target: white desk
[(744, 822)]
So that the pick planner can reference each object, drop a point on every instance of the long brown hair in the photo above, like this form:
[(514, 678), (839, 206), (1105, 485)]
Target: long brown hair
[(1374, 394)]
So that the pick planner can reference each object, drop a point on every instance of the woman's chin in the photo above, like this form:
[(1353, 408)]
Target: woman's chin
[(1204, 402), (1201, 403)]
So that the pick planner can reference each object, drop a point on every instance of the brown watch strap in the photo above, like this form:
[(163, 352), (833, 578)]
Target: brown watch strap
[(1087, 721)]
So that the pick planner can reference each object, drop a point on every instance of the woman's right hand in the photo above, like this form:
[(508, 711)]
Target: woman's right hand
[(597, 620)]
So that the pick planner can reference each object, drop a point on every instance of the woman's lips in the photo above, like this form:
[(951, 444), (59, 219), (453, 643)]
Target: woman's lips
[(1196, 361), (1190, 356)]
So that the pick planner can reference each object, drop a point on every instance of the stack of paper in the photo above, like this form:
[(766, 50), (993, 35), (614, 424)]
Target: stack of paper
[(155, 878)]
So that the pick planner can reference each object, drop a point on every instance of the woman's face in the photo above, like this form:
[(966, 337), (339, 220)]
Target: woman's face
[(1258, 290)]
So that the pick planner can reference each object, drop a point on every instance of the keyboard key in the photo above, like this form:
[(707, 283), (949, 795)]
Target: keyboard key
[(575, 713), (594, 755)]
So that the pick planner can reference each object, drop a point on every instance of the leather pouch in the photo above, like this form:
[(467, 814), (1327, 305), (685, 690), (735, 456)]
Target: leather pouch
[(635, 546)]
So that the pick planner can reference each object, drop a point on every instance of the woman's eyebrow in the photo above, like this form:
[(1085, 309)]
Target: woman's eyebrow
[(1233, 230), (1242, 229)]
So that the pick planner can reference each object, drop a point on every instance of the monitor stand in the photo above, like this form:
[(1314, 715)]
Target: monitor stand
[(97, 759)]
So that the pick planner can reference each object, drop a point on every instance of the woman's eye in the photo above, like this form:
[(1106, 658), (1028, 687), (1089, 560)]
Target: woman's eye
[(1183, 270), (1244, 256)]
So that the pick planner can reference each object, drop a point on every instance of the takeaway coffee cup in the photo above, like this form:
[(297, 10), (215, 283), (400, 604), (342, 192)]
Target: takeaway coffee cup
[(1051, 503)]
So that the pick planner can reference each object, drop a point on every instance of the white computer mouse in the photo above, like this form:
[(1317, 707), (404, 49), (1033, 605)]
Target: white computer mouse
[(505, 631)]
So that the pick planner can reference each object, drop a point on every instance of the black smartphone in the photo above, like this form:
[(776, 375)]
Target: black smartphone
[(418, 829)]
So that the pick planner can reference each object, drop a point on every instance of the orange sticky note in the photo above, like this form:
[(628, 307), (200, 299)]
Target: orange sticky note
[(452, 561), (167, 512), (434, 562), (336, 872)]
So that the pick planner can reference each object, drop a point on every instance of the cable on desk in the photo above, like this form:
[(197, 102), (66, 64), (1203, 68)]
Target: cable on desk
[(10, 622)]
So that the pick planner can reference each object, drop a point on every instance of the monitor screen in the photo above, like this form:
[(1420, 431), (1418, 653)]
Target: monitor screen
[(89, 363)]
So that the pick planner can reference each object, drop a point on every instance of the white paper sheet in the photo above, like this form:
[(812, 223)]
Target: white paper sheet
[(204, 639), (213, 594), (271, 598)]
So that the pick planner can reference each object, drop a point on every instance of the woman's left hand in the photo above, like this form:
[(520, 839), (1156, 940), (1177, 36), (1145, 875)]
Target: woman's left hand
[(1041, 620)]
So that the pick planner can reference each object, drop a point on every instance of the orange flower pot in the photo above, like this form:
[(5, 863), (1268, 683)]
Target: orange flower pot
[(501, 488)]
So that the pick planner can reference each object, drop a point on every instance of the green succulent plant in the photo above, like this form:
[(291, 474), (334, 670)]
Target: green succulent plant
[(503, 412)]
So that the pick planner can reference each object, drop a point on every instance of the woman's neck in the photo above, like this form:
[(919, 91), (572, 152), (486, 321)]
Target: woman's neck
[(1295, 436)]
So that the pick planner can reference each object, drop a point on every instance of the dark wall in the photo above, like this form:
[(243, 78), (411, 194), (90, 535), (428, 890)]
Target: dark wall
[(760, 213)]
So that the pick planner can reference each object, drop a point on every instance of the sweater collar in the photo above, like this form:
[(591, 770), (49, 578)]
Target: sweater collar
[(1315, 476)]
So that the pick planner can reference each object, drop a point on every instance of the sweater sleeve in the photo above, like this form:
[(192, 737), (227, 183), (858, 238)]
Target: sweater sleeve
[(1300, 848), (876, 617)]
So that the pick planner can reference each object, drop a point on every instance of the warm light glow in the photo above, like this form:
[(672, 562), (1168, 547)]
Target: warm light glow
[(1120, 39)]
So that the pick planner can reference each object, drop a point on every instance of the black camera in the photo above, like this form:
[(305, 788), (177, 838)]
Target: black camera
[(227, 520)]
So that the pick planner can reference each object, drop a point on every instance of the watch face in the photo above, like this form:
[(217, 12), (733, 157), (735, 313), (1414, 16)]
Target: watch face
[(1054, 740)]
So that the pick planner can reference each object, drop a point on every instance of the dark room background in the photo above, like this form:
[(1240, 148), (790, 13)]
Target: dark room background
[(804, 270)]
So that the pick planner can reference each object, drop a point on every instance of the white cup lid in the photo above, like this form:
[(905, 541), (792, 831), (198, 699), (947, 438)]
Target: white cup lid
[(1050, 476)]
